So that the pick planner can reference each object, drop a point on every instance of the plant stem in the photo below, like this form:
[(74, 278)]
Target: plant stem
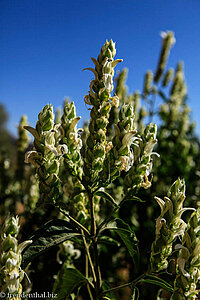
[(89, 257), (74, 221), (107, 220), (86, 275), (97, 267), (94, 244), (93, 222), (117, 288), (132, 283)]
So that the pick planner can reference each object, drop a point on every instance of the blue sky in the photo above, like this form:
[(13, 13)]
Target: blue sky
[(45, 44)]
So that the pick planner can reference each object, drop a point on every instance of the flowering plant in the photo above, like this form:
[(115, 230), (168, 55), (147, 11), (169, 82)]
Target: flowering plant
[(85, 177)]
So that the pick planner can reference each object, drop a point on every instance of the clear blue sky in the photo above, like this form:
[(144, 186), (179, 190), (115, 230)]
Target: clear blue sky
[(44, 45)]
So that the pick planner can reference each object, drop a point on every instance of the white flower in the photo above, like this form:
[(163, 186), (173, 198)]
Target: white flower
[(14, 274), (68, 246), (159, 223), (31, 157), (115, 101), (12, 285), (183, 257)]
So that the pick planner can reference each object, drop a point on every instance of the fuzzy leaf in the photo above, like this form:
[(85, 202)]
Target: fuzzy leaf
[(51, 234)]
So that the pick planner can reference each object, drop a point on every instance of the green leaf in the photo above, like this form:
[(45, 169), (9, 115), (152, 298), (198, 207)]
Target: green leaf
[(157, 281), (128, 237), (51, 234), (107, 240), (67, 280), (106, 286), (107, 197)]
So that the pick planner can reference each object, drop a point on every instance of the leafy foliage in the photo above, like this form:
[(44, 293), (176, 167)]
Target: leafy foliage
[(50, 235)]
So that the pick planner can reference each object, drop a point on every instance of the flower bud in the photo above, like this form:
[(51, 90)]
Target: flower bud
[(9, 243), (11, 226)]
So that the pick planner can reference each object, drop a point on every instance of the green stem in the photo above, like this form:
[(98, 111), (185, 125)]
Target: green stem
[(132, 283), (74, 221), (86, 275), (94, 244), (97, 267), (89, 257), (93, 222), (117, 288), (107, 220)]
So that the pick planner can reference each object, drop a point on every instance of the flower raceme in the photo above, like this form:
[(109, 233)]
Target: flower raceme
[(103, 157), (10, 257), (188, 262), (47, 153), (169, 225), (100, 98)]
